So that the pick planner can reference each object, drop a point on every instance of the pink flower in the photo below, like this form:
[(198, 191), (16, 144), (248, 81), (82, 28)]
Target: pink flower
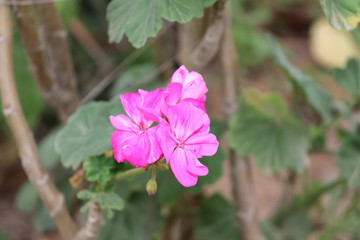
[(184, 138), (134, 139), (185, 85)]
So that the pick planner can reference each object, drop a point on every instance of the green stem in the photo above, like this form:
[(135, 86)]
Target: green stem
[(127, 174)]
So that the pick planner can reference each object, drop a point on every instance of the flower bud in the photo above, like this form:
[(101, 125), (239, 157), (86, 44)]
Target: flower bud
[(151, 187)]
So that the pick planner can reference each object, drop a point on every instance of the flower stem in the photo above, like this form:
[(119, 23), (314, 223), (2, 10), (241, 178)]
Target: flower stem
[(124, 175)]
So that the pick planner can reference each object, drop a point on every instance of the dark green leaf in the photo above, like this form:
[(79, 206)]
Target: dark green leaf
[(269, 231), (349, 77), (108, 201), (48, 154), (27, 198), (140, 219), (315, 94), (87, 133), (99, 169), (217, 220), (42, 221), (297, 225), (348, 160), (342, 14), (263, 127)]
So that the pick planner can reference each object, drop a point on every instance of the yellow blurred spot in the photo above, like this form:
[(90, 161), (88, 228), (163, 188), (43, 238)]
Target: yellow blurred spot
[(109, 153), (329, 47)]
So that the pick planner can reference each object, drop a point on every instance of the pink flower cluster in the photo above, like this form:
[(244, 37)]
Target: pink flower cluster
[(182, 135)]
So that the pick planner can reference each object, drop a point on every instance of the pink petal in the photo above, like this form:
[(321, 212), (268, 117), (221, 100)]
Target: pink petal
[(179, 165), (179, 75), (203, 144), (194, 166), (167, 142), (130, 101), (138, 149), (173, 93), (185, 119), (194, 86), (122, 122)]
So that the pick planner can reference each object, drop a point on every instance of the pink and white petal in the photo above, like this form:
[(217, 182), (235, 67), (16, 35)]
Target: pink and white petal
[(172, 93), (194, 166), (179, 75), (122, 122), (179, 166), (166, 141), (203, 144)]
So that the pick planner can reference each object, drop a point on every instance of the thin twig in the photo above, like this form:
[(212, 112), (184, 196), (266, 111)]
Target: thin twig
[(243, 189), (94, 223), (113, 74), (95, 51), (25, 142)]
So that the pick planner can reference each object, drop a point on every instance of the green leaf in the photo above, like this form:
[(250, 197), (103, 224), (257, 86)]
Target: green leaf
[(208, 3), (42, 221), (137, 19), (263, 127), (87, 133), (141, 219), (298, 225), (349, 77), (27, 198), (141, 19), (269, 231), (182, 11), (315, 94), (217, 220), (348, 160), (48, 154), (342, 14), (99, 169), (108, 201)]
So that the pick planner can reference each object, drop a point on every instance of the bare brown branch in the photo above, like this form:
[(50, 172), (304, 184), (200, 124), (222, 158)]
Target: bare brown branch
[(58, 57), (25, 142), (243, 188), (94, 223), (49, 61)]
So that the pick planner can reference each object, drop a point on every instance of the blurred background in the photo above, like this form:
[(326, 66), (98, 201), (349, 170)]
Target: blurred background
[(321, 201)]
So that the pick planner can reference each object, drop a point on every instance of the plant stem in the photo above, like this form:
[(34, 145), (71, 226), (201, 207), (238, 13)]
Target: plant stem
[(243, 188), (94, 224), (52, 198), (124, 175)]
